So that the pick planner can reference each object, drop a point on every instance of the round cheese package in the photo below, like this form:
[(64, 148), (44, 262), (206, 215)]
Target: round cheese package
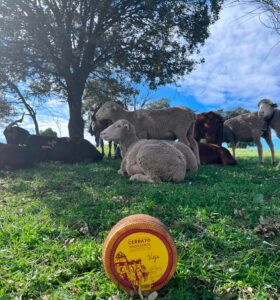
[(139, 254)]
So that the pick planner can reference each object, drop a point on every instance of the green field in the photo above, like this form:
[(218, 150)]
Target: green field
[(225, 223)]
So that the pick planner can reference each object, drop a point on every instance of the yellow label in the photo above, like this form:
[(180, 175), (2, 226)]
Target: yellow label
[(141, 259)]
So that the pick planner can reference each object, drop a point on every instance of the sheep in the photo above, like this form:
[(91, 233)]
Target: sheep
[(192, 164), (149, 160), (163, 124), (270, 115), (248, 128)]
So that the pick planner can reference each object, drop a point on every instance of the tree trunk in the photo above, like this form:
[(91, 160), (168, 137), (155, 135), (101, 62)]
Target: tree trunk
[(76, 122), (33, 116)]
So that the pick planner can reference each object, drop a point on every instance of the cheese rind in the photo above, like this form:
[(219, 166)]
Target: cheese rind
[(139, 253)]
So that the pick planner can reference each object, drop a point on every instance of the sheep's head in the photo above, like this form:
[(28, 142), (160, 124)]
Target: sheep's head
[(266, 108), (108, 111), (118, 131)]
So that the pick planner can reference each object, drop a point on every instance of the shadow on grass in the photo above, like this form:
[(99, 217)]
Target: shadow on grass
[(200, 210), (97, 195)]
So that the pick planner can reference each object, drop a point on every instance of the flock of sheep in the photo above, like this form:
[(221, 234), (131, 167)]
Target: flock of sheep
[(147, 138), (155, 145)]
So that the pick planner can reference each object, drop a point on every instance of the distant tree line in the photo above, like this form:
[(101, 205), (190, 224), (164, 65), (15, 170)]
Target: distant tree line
[(48, 132)]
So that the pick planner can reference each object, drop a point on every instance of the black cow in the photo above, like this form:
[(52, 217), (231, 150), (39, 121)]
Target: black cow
[(14, 134), (40, 141), (19, 157), (64, 149), (72, 151), (48, 148)]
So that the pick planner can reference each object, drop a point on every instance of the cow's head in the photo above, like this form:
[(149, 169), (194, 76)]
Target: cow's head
[(266, 108), (209, 126)]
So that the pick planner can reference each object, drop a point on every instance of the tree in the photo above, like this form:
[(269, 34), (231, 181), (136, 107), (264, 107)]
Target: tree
[(6, 109), (21, 94), (101, 90), (267, 10), (228, 114), (158, 104), (21, 99), (48, 132), (72, 41)]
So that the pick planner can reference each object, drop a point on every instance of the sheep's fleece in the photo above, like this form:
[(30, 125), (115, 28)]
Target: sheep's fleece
[(164, 124), (150, 160)]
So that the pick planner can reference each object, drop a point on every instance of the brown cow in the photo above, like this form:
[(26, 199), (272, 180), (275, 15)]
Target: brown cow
[(209, 126), (213, 154)]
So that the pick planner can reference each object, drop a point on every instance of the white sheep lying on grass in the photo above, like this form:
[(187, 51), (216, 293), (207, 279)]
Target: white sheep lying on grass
[(150, 160)]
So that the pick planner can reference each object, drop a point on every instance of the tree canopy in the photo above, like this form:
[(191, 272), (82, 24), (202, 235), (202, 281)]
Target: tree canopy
[(99, 91), (267, 10), (6, 109), (158, 104), (68, 42), (48, 132), (228, 114)]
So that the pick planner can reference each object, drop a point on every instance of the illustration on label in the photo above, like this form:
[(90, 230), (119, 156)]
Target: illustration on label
[(132, 272), (142, 259)]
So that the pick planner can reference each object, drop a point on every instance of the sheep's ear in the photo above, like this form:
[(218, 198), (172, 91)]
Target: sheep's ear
[(114, 107), (274, 105), (126, 126)]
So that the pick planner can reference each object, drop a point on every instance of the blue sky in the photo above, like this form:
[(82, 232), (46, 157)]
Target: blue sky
[(241, 66)]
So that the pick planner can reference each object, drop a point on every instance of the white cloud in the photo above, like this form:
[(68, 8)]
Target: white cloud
[(242, 66), (242, 63)]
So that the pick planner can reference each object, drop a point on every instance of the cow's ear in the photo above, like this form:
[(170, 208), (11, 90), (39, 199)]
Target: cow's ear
[(274, 105)]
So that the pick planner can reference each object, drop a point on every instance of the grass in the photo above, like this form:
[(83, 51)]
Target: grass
[(54, 219)]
